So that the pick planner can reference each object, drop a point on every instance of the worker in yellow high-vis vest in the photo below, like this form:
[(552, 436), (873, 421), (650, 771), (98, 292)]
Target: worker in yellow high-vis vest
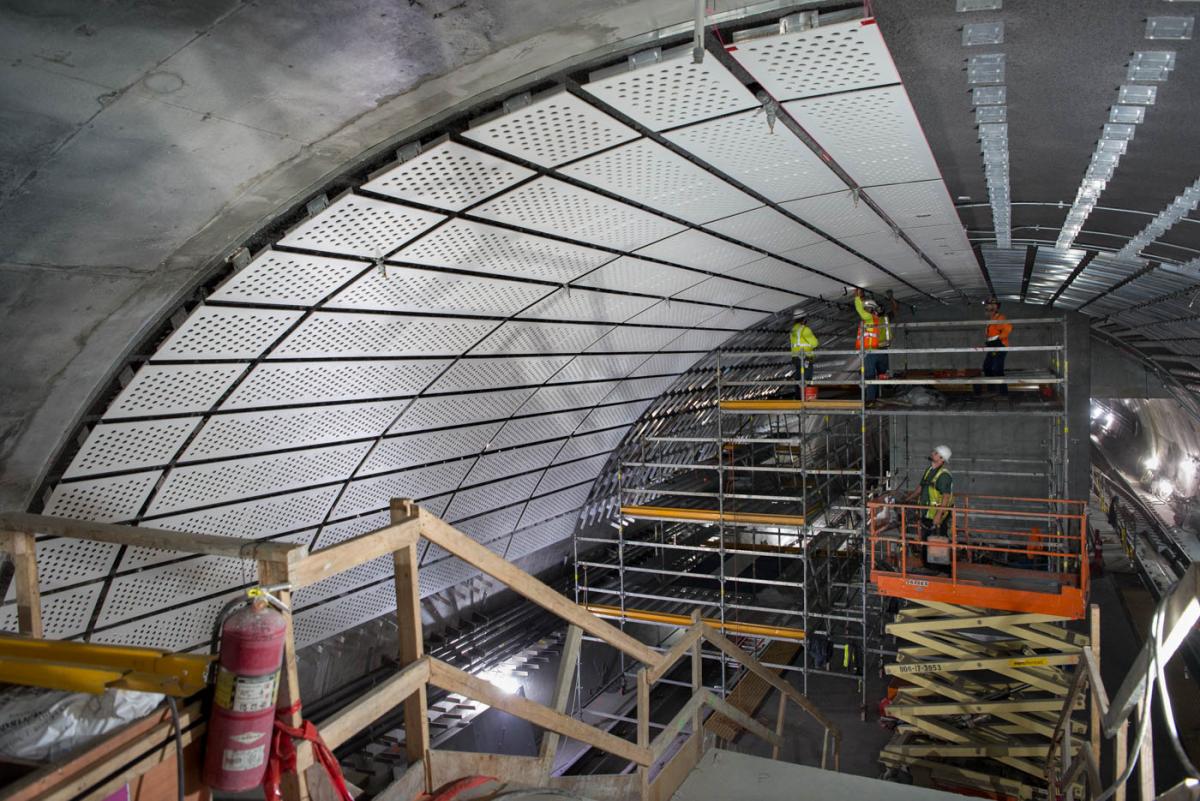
[(935, 494), (804, 342), (873, 331)]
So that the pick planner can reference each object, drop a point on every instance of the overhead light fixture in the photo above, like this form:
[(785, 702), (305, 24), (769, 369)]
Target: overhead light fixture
[(983, 33), (1151, 462), (1163, 488), (1169, 27)]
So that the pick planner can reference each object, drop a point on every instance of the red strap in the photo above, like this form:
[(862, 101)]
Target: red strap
[(451, 789), (283, 755)]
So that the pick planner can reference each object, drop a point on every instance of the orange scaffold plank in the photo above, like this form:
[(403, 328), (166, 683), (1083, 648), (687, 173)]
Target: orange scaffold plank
[(789, 405), (749, 629), (710, 515)]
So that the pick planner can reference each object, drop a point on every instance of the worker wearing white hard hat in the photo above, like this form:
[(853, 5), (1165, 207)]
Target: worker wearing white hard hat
[(935, 496), (871, 328), (803, 342)]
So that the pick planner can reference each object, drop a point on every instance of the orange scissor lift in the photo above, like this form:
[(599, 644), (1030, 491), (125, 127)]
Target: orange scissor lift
[(985, 649)]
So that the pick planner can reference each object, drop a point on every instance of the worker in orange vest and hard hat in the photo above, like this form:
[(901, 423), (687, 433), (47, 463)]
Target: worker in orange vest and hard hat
[(997, 337), (872, 329)]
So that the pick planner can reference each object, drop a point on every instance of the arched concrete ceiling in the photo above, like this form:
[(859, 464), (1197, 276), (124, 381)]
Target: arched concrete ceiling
[(475, 320)]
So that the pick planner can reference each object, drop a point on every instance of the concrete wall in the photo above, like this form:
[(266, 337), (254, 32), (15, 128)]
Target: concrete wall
[(1116, 374)]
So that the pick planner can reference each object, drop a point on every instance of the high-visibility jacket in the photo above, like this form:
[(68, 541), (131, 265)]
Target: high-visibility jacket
[(868, 328), (803, 339), (931, 496), (999, 329)]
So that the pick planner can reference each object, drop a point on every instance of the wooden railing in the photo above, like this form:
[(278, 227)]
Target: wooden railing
[(1068, 765), (293, 567)]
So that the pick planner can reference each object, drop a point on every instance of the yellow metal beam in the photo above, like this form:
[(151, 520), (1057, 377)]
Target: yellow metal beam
[(751, 629), (789, 405), (710, 515)]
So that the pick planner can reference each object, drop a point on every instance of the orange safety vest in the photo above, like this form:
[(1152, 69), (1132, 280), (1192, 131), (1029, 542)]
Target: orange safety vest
[(999, 329), (868, 335)]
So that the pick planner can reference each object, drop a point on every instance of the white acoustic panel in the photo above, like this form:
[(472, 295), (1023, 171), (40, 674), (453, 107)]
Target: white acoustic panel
[(373, 494), (521, 430), (112, 447), (454, 410), (634, 339), (276, 277), (650, 174), (377, 571), (542, 535), (882, 247), (407, 289), (720, 290), (447, 572), (738, 319), (175, 630), (873, 134), (699, 339), (486, 497), (776, 164), (596, 367), (469, 374), (766, 228), (266, 517), (622, 414), (916, 205), (665, 364), (492, 526), (819, 61), (591, 444), (588, 305), (555, 503), (514, 461), (229, 435), (365, 335), (944, 244), (324, 620), (361, 226), (448, 175), (103, 500), (782, 275), (567, 396), (572, 473), (212, 332), (673, 91), (638, 275), (146, 591), (838, 262), (703, 251), (555, 207), (64, 614), (640, 389), (173, 389), (555, 128), (773, 300), (395, 453), (335, 533), (520, 336), (468, 245), (677, 313), (838, 214), (279, 384), (216, 482), (62, 561)]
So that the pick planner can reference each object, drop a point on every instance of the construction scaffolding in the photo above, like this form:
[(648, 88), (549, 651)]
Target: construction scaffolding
[(758, 513)]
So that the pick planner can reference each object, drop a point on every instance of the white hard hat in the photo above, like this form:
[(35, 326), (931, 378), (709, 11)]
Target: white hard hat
[(943, 451), (871, 305)]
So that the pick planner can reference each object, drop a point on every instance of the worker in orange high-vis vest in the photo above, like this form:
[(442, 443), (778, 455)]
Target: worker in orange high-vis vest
[(870, 333), (998, 331)]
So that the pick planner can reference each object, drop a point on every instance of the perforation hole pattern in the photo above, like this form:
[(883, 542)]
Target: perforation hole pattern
[(127, 446), (469, 374), (484, 248), (697, 249), (552, 131), (292, 279), (566, 475), (833, 58), (555, 503), (491, 526), (573, 396), (361, 226), (373, 494), (649, 277), (594, 367), (65, 561), (175, 630), (104, 500), (325, 334), (591, 444), (449, 175), (613, 416), (559, 208), (676, 312), (534, 538), (766, 228), (486, 497), (276, 384), (459, 410), (528, 337), (173, 389), (407, 289), (250, 432), (521, 430), (144, 592), (675, 92), (395, 453), (216, 333), (492, 466), (200, 485), (340, 532), (64, 614), (586, 305), (626, 339)]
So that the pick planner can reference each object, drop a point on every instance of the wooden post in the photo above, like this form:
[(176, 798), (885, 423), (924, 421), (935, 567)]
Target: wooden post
[(22, 547), (293, 785), (1145, 766), (1120, 757), (412, 642), (779, 713), (562, 692), (1095, 726), (697, 672), (643, 726)]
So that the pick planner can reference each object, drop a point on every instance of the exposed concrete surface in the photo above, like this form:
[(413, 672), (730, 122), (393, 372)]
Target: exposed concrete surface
[(1118, 375), (140, 142)]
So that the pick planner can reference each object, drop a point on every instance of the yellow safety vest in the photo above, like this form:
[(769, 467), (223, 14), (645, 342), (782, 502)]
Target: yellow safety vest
[(929, 486), (803, 339)]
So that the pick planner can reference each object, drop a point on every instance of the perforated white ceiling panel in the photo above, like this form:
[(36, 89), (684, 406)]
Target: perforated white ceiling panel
[(469, 331)]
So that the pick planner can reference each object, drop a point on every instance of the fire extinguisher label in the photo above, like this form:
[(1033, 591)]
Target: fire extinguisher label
[(245, 693), (234, 761)]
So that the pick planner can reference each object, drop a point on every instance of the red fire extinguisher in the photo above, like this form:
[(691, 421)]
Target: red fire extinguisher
[(243, 709)]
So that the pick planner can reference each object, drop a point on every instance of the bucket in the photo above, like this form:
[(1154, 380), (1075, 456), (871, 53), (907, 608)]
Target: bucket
[(938, 551), (810, 393)]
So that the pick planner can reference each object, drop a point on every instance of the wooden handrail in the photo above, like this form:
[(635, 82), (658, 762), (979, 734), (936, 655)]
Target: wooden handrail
[(375, 704)]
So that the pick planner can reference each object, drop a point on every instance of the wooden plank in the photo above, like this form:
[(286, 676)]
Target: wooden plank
[(779, 718), (353, 552), (292, 784), (441, 533), (736, 653), (697, 666), (364, 711), (643, 726), (710, 515), (209, 544), (22, 547), (742, 719), (568, 662), (408, 786), (672, 730), (682, 646), (1145, 766), (161, 754), (676, 770), (412, 641), (454, 680)]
